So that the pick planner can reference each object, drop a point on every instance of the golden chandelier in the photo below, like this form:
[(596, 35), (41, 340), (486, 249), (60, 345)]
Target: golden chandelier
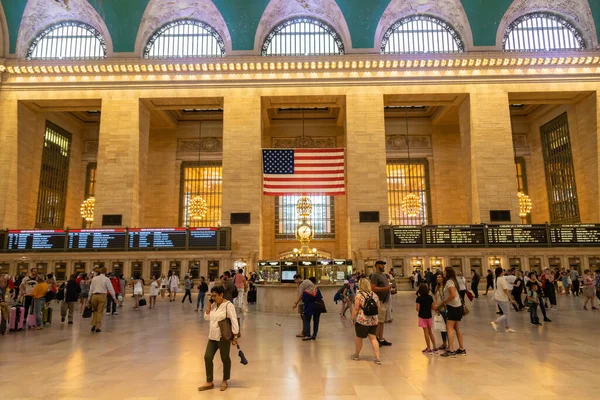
[(525, 205), (304, 207), (198, 208), (411, 205), (87, 209)]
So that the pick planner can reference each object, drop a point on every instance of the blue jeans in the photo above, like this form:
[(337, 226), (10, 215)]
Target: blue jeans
[(533, 313), (316, 317), (39, 306), (201, 296)]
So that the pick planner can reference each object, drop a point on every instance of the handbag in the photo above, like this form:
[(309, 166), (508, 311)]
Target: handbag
[(226, 327), (87, 311), (438, 323), (320, 306), (465, 309), (470, 295), (142, 302)]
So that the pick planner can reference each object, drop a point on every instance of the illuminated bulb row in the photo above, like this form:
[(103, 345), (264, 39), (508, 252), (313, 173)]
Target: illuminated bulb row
[(87, 209), (312, 65), (525, 205)]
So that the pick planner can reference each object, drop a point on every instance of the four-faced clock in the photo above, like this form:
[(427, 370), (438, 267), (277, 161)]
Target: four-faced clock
[(304, 231)]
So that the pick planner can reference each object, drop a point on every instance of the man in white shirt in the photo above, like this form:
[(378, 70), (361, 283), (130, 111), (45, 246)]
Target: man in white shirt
[(99, 287)]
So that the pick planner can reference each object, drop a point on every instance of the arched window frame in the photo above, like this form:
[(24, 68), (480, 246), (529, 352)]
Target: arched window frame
[(180, 22), (546, 15), (93, 31), (335, 36), (420, 17)]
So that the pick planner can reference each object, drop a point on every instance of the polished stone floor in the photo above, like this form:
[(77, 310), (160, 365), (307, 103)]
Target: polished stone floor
[(158, 354)]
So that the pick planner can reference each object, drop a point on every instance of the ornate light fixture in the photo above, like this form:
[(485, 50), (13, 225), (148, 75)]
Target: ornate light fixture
[(411, 204), (524, 204), (198, 208), (87, 209), (304, 207)]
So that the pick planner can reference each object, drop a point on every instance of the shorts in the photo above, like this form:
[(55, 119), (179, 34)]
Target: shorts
[(137, 292), (425, 322), (84, 295), (382, 313), (362, 331), (454, 313)]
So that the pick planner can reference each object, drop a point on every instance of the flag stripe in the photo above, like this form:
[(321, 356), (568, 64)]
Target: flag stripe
[(302, 158), (313, 186), (307, 179)]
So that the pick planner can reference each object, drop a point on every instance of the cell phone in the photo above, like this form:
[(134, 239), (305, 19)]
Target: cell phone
[(211, 301)]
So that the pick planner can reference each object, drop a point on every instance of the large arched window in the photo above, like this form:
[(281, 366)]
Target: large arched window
[(69, 40), (421, 34), (542, 32), (303, 37), (185, 39)]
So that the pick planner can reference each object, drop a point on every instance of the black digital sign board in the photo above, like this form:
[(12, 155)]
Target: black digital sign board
[(36, 240), (152, 239), (407, 236), (517, 235), (97, 239), (203, 238), (454, 236), (575, 235)]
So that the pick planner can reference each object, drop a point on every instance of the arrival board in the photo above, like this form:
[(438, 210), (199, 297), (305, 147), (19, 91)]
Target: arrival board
[(40, 240), (575, 235), (407, 236), (517, 235), (148, 239), (203, 238), (454, 236), (97, 239)]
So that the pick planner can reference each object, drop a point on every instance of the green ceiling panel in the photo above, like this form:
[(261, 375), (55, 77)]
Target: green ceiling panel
[(595, 6), (242, 18), (484, 17), (13, 9), (362, 18), (122, 18)]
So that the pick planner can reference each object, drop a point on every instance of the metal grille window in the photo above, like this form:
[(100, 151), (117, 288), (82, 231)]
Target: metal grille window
[(54, 176), (69, 40), (421, 34), (399, 187), (560, 173), (303, 37), (185, 39), (542, 32), (322, 218), (204, 179)]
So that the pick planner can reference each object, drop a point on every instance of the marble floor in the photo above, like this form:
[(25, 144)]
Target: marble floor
[(158, 354)]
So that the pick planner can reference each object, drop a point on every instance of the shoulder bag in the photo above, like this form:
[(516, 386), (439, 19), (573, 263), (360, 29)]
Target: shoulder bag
[(87, 311), (226, 327)]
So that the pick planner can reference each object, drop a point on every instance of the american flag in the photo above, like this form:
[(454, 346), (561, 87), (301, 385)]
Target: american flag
[(303, 171)]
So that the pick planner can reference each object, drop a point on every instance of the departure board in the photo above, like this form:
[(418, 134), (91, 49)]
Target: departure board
[(407, 236), (454, 236), (203, 238), (38, 240), (575, 235), (97, 239), (152, 239), (2, 239), (517, 235)]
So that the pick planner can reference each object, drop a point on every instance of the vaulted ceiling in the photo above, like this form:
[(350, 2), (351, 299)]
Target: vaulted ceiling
[(242, 18)]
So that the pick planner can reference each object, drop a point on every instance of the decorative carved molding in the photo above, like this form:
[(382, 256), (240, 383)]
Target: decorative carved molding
[(400, 142), (280, 10), (40, 13), (520, 141), (161, 12), (307, 142), (450, 11), (575, 11), (90, 147), (206, 145)]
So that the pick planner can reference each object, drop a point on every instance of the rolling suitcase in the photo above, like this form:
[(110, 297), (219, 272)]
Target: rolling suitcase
[(3, 323), (252, 297), (17, 318), (31, 320), (47, 315)]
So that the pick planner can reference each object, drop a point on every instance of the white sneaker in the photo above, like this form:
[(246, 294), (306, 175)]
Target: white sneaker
[(115, 313), (107, 313), (494, 325), (509, 330)]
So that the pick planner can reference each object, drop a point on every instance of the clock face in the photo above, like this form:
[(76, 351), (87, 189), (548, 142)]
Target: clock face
[(304, 231)]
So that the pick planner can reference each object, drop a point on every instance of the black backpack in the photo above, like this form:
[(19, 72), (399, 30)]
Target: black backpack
[(60, 294), (369, 307), (203, 287)]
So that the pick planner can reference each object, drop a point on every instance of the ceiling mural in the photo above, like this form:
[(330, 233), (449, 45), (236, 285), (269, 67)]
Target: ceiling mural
[(280, 10), (243, 23), (450, 11), (575, 11), (161, 12), (39, 14)]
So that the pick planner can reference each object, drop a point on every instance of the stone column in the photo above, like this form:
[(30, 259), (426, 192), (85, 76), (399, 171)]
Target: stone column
[(242, 173), (8, 163), (122, 159), (366, 184), (488, 155)]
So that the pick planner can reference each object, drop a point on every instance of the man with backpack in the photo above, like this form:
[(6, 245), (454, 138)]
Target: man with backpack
[(380, 284)]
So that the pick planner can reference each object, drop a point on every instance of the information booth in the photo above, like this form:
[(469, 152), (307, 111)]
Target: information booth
[(118, 268), (535, 265), (213, 269), (575, 264), (417, 263), (342, 269), (269, 271), (307, 268), (60, 271), (137, 269), (155, 269), (175, 267), (476, 265), (554, 263), (494, 262), (289, 269), (194, 269)]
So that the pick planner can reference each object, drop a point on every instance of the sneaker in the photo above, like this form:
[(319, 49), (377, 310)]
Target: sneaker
[(70, 322), (354, 357), (93, 329), (377, 361), (107, 313), (494, 325), (115, 313), (594, 308), (442, 347), (384, 343), (427, 352), (451, 354), (98, 331), (509, 330), (547, 320), (306, 338), (300, 335), (461, 352)]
